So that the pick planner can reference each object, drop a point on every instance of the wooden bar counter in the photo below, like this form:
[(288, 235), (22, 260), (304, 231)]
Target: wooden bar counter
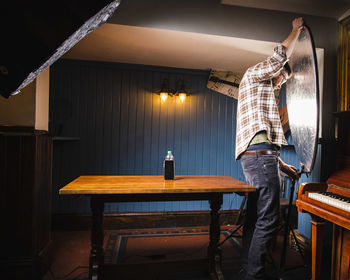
[(103, 189)]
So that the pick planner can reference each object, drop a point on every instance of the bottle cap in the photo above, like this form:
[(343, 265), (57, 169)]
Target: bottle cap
[(169, 152)]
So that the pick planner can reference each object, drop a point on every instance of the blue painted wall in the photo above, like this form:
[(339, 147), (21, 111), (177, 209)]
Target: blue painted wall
[(124, 129), (118, 126)]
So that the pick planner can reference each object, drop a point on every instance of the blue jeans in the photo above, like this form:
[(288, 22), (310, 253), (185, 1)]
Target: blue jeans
[(262, 213)]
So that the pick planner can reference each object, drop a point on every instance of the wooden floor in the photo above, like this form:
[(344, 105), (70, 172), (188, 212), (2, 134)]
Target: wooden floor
[(153, 247)]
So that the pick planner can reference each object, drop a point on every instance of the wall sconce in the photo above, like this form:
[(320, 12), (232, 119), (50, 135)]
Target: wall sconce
[(165, 91), (181, 93)]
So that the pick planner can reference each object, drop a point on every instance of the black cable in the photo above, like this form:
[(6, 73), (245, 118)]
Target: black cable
[(231, 235), (71, 272), (65, 276)]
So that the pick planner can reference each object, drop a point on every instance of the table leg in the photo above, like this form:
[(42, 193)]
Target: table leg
[(96, 254), (214, 252)]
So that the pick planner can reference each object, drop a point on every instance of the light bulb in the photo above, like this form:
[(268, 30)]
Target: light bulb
[(163, 96), (182, 97)]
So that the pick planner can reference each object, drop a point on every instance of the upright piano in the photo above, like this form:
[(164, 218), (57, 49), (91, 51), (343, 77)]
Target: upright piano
[(330, 201)]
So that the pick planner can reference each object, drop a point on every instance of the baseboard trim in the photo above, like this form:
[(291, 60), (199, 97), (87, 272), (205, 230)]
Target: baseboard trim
[(142, 220)]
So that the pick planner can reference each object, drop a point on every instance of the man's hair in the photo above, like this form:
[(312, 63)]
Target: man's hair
[(287, 68)]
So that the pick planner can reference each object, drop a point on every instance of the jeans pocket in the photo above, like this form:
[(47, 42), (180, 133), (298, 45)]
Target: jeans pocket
[(249, 163), (250, 166)]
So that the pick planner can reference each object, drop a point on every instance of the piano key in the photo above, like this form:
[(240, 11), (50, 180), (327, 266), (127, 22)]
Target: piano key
[(331, 199)]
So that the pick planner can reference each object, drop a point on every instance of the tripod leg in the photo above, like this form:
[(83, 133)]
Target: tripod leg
[(284, 248), (239, 216), (297, 243)]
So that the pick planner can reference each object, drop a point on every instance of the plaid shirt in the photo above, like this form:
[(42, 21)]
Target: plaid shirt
[(257, 109)]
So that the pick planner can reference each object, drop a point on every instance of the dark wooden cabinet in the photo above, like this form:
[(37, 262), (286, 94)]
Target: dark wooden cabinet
[(340, 253), (25, 199)]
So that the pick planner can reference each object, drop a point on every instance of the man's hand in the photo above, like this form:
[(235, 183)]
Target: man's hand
[(289, 42), (298, 23), (290, 170)]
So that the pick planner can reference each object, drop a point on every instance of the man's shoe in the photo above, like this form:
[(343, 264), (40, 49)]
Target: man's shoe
[(241, 274)]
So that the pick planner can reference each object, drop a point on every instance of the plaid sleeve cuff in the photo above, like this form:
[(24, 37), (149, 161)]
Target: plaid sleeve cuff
[(280, 54)]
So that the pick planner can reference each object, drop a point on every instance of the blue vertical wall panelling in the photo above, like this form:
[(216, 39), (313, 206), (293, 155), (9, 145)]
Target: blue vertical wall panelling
[(125, 129)]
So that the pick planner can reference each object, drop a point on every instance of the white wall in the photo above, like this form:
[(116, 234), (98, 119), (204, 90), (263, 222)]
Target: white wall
[(30, 107), (42, 100), (19, 109)]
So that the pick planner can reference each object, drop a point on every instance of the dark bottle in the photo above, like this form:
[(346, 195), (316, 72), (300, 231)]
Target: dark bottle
[(169, 166)]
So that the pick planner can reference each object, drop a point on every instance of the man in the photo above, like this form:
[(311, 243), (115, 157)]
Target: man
[(259, 137)]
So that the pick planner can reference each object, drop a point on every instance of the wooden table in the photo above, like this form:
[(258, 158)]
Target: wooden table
[(103, 189)]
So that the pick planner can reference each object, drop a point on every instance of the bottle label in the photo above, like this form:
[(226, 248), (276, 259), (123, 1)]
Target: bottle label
[(169, 170)]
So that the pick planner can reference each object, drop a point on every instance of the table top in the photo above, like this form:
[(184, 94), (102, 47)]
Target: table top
[(154, 185)]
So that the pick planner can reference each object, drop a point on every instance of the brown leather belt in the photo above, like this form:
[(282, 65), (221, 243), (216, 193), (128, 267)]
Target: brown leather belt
[(261, 152)]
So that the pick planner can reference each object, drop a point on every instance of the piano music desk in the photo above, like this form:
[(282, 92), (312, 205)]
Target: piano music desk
[(103, 189)]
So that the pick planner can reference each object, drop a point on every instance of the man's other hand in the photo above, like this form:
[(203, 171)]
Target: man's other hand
[(289, 170)]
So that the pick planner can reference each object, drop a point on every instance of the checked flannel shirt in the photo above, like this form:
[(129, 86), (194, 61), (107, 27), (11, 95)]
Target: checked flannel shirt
[(257, 109)]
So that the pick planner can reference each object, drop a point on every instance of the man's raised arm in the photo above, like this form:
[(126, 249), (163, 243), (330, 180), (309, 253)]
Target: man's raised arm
[(289, 42)]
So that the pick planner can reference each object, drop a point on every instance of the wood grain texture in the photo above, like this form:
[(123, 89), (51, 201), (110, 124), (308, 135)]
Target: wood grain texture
[(340, 253), (317, 239), (154, 184)]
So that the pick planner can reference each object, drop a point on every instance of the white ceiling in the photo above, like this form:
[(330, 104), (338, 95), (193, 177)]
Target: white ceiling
[(159, 47), (336, 9)]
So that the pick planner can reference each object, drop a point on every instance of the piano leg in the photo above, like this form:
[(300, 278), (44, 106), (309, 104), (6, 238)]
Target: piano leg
[(317, 244)]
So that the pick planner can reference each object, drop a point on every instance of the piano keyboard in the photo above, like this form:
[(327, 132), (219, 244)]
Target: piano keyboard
[(332, 199)]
